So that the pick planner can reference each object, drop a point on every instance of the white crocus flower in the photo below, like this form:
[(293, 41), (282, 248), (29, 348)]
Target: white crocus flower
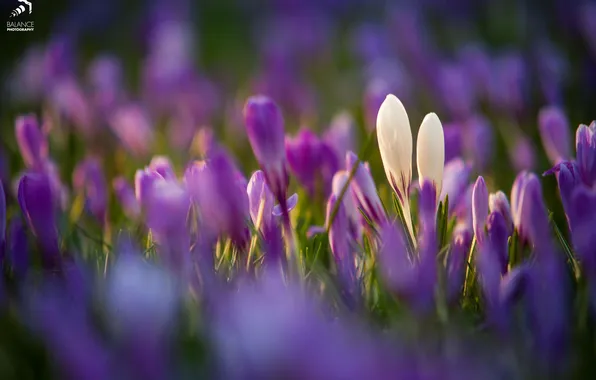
[(430, 151), (395, 143)]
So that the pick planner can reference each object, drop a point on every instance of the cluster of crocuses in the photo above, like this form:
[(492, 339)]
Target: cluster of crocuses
[(229, 246)]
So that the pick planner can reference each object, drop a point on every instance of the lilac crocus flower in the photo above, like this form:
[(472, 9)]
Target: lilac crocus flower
[(498, 202), (223, 203), (126, 196), (69, 99), (479, 208), (38, 206), (144, 180), (568, 179), (265, 129), (342, 248), (457, 264), (585, 146), (168, 205), (364, 191), (488, 264), (528, 208), (105, 76), (88, 179), (497, 236), (31, 141), (554, 131), (582, 216), (348, 200)]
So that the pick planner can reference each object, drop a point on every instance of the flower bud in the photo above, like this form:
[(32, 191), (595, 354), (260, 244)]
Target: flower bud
[(430, 151), (554, 131), (479, 208)]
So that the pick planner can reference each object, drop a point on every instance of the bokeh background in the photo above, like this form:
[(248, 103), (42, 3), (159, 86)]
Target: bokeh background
[(486, 67)]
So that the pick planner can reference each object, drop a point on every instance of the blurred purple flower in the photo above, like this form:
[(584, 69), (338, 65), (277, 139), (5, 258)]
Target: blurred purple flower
[(132, 126), (523, 155), (369, 42), (456, 176), (456, 92), (479, 141), (89, 180), (554, 131), (349, 202), (341, 135), (528, 209), (38, 206), (167, 208), (374, 95), (453, 141), (144, 180), (223, 202), (106, 79), (71, 102), (477, 63), (582, 218), (32, 143), (509, 86), (126, 196)]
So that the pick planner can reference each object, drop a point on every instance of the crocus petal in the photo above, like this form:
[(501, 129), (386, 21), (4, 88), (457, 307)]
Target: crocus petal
[(455, 182), (291, 203), (430, 150), (585, 146), (365, 192), (395, 144), (259, 196), (163, 166), (497, 237), (457, 265)]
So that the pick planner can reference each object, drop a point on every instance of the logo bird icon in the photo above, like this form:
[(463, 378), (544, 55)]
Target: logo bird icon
[(21, 8)]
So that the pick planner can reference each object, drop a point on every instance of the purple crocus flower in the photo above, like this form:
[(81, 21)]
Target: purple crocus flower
[(585, 146), (105, 76), (311, 160), (457, 264), (265, 129), (38, 206), (364, 191), (348, 200), (342, 248), (479, 208), (69, 99), (523, 155), (497, 236), (528, 209), (167, 208), (126, 196), (260, 199), (428, 246), (508, 87), (498, 202), (477, 64), (223, 203), (273, 249), (88, 179), (31, 141), (554, 131)]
